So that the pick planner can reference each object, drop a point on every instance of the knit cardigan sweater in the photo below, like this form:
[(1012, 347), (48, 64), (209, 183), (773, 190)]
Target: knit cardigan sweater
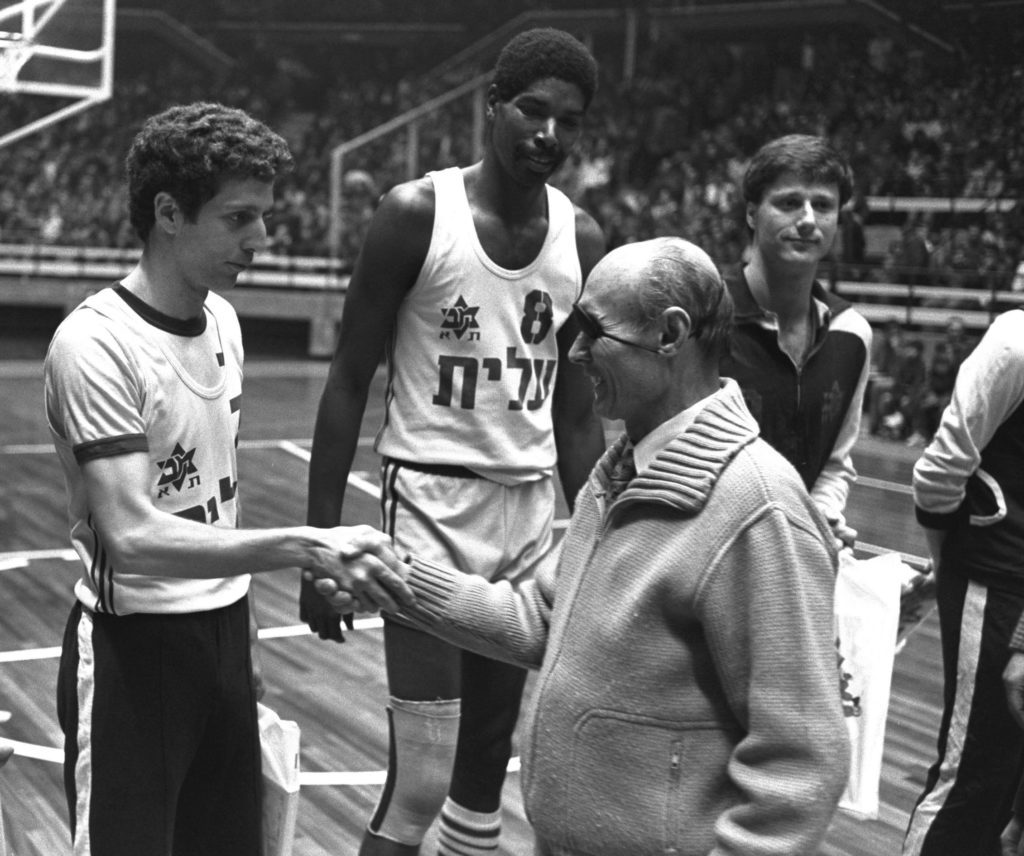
[(688, 698)]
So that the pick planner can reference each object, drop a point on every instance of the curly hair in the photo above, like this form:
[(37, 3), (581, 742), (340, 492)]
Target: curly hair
[(540, 53), (188, 151), (807, 156)]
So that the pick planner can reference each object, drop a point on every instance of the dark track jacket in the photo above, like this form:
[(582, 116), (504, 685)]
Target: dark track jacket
[(809, 413)]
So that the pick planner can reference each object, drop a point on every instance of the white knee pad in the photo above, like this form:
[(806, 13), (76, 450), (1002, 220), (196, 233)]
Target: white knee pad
[(424, 735)]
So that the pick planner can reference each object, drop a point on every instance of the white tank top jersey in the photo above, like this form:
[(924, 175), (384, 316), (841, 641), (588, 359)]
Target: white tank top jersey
[(473, 357), (116, 383)]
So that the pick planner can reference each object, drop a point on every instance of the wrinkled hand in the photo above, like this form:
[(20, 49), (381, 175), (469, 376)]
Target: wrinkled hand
[(1011, 843), (362, 565), (1013, 682), (342, 601)]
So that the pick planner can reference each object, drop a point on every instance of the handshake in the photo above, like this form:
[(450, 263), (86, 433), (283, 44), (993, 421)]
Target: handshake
[(361, 573)]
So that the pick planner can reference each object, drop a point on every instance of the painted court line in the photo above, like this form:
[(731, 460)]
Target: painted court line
[(916, 562), (357, 481), (20, 558), (882, 484), (286, 632), (55, 755)]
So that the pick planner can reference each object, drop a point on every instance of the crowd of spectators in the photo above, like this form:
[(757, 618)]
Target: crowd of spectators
[(912, 380), (664, 153)]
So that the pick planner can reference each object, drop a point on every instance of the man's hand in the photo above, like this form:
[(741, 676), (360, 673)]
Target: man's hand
[(339, 600), (1013, 681), (1011, 843), (846, 536), (322, 619), (362, 564)]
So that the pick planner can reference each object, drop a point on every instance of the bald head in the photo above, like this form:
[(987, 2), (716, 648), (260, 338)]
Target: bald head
[(661, 273)]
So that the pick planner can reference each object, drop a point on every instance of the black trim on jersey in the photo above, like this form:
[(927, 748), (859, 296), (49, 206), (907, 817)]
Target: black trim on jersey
[(100, 572), (176, 326), (110, 447)]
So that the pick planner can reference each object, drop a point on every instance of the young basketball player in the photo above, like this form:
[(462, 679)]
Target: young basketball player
[(156, 691), (466, 280)]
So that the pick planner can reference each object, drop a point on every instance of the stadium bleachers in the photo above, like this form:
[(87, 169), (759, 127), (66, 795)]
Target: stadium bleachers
[(669, 133)]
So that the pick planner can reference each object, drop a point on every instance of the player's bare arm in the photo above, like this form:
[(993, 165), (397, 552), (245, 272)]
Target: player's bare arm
[(388, 264), (579, 434), (142, 539)]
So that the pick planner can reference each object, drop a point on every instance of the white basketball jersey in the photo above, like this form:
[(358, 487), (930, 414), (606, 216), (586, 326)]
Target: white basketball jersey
[(473, 358), (115, 384)]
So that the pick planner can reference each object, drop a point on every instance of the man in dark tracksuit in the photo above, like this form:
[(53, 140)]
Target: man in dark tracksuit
[(800, 354), (969, 496)]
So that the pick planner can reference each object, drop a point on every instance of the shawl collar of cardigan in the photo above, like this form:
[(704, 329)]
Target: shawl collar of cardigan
[(684, 472)]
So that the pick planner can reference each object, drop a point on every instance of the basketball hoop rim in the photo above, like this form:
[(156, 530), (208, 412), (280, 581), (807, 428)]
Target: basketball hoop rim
[(14, 53)]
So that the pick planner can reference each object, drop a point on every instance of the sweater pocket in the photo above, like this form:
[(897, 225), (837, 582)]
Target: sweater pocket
[(639, 785)]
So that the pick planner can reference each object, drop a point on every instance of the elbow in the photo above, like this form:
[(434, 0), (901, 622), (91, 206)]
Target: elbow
[(124, 554), (126, 548)]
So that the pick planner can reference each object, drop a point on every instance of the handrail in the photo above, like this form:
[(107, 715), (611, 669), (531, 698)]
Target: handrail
[(108, 263), (927, 305), (338, 153), (21, 264), (944, 204)]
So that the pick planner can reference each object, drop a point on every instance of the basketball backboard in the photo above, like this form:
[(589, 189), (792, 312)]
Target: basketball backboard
[(60, 49)]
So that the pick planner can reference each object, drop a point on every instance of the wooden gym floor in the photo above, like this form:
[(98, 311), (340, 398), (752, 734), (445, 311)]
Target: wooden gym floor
[(336, 693)]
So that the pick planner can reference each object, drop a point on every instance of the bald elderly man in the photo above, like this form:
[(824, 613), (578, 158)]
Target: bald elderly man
[(687, 699)]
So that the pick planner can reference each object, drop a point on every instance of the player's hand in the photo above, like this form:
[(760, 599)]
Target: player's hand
[(362, 563), (321, 618), (1013, 682)]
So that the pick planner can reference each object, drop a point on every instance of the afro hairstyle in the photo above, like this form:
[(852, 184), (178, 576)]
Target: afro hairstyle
[(541, 53)]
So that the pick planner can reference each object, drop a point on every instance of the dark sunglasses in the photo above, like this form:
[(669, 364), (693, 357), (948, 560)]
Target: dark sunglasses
[(592, 330)]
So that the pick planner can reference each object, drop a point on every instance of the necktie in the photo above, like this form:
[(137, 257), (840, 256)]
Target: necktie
[(622, 473)]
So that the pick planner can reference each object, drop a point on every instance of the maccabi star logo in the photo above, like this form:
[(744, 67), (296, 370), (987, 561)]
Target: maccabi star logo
[(460, 319), (177, 467)]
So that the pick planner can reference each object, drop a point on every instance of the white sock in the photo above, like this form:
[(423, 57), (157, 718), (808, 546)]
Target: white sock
[(467, 833)]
